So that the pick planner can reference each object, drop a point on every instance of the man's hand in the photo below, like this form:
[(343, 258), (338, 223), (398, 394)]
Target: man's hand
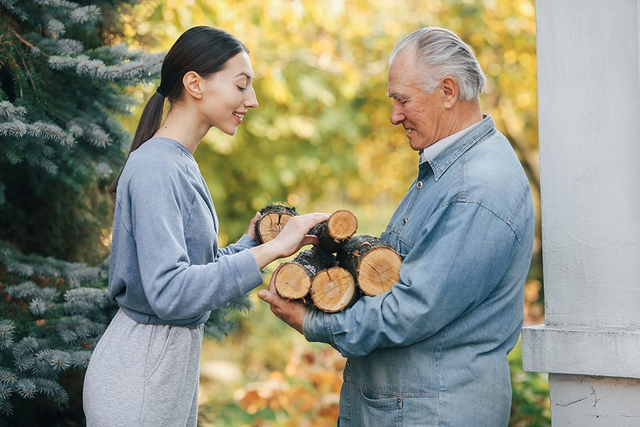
[(290, 312)]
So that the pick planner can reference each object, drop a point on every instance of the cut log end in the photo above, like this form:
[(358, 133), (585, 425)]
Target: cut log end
[(341, 225), (333, 289), (378, 271), (291, 280), (270, 224)]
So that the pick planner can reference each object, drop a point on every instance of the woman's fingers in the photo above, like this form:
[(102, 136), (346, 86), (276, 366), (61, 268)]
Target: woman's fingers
[(294, 234), (251, 231)]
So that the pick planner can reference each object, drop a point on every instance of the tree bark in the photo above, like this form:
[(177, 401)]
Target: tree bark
[(292, 279), (333, 290), (374, 264), (272, 220)]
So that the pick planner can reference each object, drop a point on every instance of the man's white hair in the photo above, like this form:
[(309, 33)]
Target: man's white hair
[(440, 53)]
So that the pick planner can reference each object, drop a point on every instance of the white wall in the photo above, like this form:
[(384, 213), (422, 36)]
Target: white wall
[(582, 401), (589, 130)]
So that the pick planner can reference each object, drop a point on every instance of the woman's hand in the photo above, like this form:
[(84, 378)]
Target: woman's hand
[(252, 227), (290, 239), (295, 235)]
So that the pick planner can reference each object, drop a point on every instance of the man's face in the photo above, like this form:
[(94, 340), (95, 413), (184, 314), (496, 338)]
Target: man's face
[(422, 114)]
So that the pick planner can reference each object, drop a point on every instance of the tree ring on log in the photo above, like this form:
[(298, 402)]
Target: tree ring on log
[(378, 271), (291, 280), (333, 290), (272, 220), (342, 224), (374, 264), (336, 230)]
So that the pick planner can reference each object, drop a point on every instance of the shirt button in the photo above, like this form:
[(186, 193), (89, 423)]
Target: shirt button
[(419, 185), (404, 221)]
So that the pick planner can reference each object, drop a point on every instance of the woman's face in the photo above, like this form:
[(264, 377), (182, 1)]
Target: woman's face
[(228, 94)]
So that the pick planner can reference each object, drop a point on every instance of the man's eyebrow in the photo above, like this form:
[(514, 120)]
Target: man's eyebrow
[(394, 96)]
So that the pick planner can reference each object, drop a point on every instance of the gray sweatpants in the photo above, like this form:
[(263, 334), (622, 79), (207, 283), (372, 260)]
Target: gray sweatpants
[(143, 376)]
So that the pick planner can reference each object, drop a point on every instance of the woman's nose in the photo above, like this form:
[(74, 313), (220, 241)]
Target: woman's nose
[(252, 99)]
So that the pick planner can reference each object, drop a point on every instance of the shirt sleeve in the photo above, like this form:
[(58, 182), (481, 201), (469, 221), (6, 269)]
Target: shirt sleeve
[(174, 288), (461, 255)]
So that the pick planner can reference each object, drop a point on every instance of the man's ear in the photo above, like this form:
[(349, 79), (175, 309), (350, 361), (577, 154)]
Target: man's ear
[(192, 84), (451, 91)]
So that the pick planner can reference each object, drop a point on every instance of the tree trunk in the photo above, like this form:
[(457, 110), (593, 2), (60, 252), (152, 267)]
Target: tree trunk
[(340, 226), (333, 290), (374, 264), (272, 220), (292, 279)]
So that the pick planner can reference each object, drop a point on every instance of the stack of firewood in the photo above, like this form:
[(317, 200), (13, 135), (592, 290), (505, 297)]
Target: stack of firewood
[(342, 268)]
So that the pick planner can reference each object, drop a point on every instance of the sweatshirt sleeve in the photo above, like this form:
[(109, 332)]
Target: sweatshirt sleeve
[(245, 242)]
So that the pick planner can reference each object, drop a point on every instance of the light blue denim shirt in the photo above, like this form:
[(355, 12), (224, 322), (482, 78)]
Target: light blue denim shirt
[(433, 350)]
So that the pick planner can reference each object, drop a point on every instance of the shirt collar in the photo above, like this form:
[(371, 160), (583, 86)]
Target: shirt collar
[(432, 151), (459, 146)]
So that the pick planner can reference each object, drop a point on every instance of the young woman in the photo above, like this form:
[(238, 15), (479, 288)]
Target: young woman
[(166, 270)]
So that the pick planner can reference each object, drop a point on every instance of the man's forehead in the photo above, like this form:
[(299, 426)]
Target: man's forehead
[(402, 72), (405, 57)]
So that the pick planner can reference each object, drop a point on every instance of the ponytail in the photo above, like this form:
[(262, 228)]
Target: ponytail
[(148, 125)]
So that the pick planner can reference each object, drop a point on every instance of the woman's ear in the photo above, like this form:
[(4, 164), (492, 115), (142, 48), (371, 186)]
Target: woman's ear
[(451, 91), (192, 84)]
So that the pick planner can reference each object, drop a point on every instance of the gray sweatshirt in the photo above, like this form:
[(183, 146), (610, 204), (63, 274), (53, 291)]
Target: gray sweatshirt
[(165, 266)]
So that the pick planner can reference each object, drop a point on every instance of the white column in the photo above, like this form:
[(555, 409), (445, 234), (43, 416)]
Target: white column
[(589, 130)]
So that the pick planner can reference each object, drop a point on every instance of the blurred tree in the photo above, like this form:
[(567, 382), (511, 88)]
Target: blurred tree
[(61, 85)]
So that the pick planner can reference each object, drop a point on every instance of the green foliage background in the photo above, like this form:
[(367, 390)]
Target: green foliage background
[(321, 136)]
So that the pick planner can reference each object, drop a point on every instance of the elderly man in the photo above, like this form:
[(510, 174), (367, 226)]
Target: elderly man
[(433, 350)]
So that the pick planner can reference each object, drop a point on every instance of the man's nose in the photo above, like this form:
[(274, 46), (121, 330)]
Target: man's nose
[(396, 116)]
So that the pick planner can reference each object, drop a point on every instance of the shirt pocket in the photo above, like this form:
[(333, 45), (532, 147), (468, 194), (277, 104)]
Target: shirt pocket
[(382, 410), (401, 243), (379, 410)]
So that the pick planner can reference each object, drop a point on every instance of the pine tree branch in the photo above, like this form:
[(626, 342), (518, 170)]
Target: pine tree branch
[(27, 43)]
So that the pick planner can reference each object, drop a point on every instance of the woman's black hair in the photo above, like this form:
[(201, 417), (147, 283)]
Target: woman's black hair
[(202, 49)]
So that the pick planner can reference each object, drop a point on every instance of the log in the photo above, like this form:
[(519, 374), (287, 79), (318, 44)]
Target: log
[(374, 264), (333, 290), (292, 279), (332, 233), (272, 220), (362, 265)]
